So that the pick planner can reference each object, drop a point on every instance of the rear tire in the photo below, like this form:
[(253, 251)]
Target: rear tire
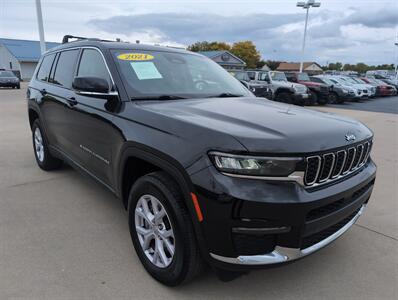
[(171, 230), (43, 156)]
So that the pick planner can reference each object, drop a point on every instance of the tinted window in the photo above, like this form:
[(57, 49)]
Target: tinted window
[(92, 64), (65, 68), (45, 67)]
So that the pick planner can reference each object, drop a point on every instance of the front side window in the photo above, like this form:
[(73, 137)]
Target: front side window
[(278, 76), (303, 77), (45, 67), (155, 74), (242, 76), (65, 69), (92, 65)]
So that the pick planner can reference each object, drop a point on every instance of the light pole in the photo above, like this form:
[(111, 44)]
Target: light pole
[(306, 5), (41, 29), (396, 61)]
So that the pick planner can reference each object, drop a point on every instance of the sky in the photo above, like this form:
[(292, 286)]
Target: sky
[(349, 31)]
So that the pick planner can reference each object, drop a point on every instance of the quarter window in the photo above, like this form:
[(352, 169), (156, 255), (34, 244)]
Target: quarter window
[(92, 64), (65, 68), (45, 67)]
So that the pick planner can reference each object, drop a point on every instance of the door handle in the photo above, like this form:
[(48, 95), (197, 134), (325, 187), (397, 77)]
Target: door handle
[(72, 101), (43, 92)]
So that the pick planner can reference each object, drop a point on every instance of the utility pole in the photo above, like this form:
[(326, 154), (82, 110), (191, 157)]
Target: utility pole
[(41, 28), (306, 6), (396, 60)]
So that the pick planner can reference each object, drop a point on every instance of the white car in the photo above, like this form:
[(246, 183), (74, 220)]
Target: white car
[(355, 91), (367, 90)]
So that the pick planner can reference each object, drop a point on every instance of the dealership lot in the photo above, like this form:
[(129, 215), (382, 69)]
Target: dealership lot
[(62, 236)]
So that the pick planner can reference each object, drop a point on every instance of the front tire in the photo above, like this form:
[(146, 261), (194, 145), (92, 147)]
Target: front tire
[(162, 231), (43, 156), (283, 97)]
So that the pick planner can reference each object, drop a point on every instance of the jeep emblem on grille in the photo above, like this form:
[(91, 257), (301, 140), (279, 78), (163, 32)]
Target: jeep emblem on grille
[(350, 137)]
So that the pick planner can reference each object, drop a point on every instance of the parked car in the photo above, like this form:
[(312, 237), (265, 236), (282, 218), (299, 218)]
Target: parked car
[(257, 88), (210, 174), (370, 89), (337, 93), (388, 80), (319, 92), (355, 91), (382, 88), (8, 79), (363, 90), (282, 90)]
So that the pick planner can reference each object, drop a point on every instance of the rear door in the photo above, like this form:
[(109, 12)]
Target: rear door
[(59, 94)]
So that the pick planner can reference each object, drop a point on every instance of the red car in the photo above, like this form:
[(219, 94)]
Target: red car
[(382, 88)]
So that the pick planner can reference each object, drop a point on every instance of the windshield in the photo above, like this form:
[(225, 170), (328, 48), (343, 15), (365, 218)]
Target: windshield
[(327, 81), (263, 76), (6, 74), (349, 80), (358, 80), (303, 77), (241, 76), (278, 76), (172, 75)]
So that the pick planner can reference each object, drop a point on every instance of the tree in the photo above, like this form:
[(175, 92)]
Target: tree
[(273, 64), (209, 46), (247, 51)]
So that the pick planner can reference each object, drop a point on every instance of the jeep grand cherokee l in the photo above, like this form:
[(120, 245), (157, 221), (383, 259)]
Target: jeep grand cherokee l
[(208, 173)]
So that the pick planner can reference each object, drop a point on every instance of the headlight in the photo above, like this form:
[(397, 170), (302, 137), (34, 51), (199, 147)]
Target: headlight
[(254, 166)]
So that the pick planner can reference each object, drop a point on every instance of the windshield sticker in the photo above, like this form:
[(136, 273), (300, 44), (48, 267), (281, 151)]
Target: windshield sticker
[(146, 70), (135, 56)]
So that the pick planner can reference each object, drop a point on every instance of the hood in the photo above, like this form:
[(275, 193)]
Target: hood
[(311, 83), (263, 126)]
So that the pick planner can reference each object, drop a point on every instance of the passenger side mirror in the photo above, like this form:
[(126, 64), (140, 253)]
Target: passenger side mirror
[(92, 86)]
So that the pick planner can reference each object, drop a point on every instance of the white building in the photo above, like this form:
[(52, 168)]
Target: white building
[(21, 56)]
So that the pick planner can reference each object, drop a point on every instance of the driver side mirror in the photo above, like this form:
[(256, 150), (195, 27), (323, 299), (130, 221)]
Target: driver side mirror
[(92, 86)]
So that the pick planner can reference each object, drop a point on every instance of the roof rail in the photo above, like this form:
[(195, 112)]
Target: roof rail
[(67, 37)]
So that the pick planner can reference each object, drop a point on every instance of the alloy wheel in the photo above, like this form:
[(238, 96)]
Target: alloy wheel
[(154, 231), (39, 147)]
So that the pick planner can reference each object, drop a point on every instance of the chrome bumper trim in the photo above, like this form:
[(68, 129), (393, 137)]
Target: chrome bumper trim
[(284, 254)]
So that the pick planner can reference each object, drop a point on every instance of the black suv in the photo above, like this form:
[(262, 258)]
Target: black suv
[(8, 79), (208, 173)]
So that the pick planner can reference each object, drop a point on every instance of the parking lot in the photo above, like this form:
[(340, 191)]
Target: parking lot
[(62, 236)]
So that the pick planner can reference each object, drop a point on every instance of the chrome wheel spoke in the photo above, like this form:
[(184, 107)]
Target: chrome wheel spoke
[(38, 143), (154, 231)]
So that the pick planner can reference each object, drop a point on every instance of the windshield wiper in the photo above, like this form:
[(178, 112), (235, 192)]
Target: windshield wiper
[(161, 97), (225, 95)]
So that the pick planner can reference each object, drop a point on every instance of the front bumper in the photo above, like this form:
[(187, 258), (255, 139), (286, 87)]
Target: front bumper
[(9, 84), (299, 221), (284, 254), (300, 99)]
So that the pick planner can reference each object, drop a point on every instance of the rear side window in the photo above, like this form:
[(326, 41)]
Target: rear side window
[(45, 67), (251, 75), (92, 64), (65, 70)]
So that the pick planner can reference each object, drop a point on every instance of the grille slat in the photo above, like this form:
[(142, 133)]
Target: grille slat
[(332, 165)]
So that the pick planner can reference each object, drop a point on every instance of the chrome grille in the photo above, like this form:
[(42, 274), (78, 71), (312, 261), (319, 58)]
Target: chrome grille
[(333, 165)]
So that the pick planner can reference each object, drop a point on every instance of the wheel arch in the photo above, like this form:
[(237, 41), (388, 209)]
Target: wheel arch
[(158, 161)]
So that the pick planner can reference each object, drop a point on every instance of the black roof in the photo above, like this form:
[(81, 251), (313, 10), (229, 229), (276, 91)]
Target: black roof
[(116, 45)]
